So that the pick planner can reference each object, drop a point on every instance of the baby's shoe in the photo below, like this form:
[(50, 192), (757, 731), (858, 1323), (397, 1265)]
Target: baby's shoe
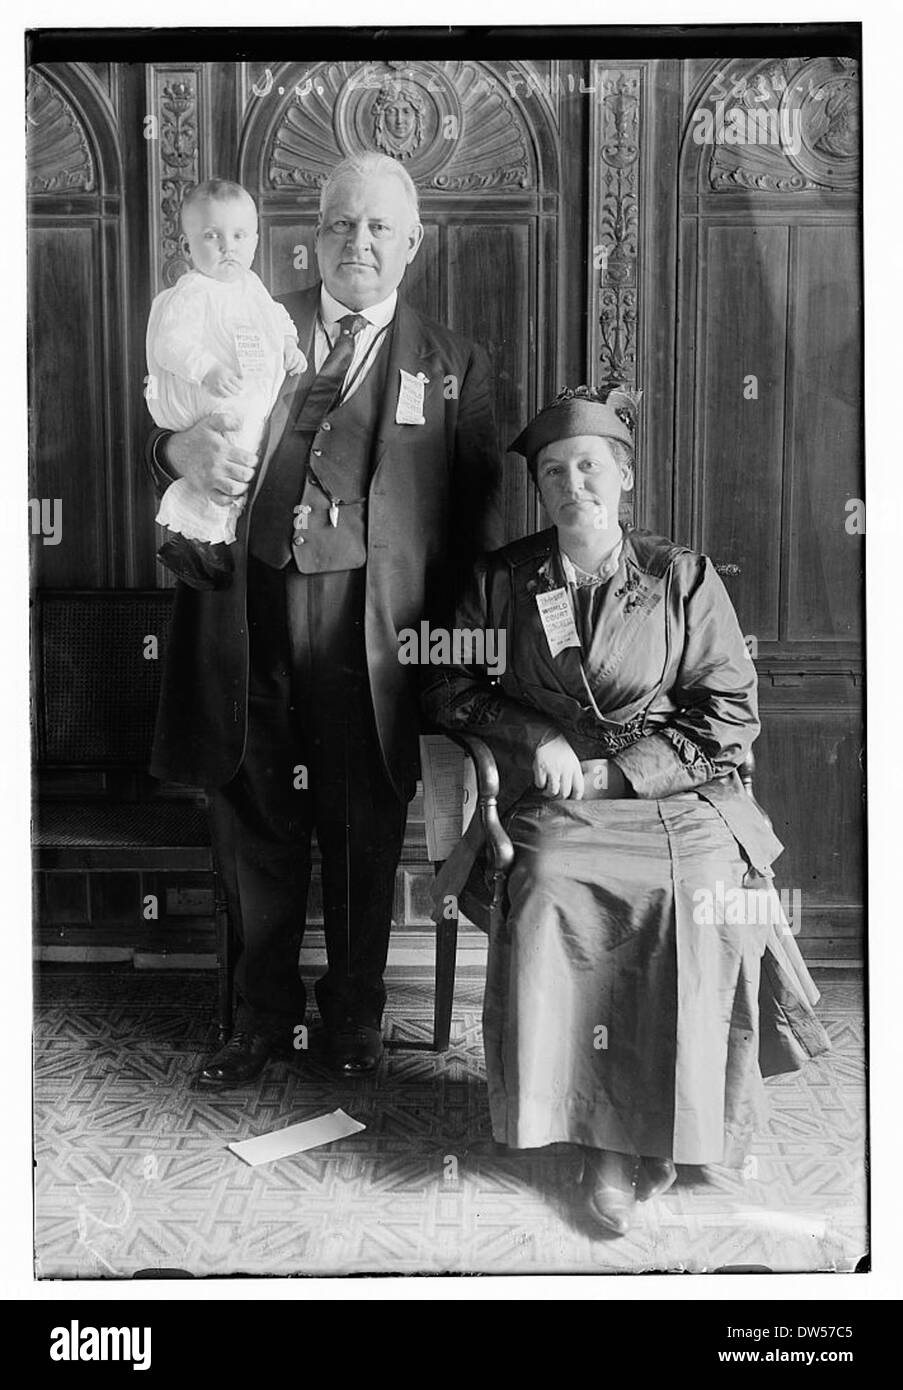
[(200, 564)]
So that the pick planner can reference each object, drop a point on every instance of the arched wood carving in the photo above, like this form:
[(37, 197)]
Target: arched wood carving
[(58, 154), (454, 126), (777, 126)]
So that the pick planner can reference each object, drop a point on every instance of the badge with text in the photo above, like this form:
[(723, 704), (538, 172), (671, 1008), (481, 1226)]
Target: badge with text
[(557, 620), (250, 351), (409, 410)]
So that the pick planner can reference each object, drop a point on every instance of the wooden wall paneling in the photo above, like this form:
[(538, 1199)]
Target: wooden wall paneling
[(614, 195), (67, 436), (481, 260), (739, 463), (809, 779), (222, 96), (79, 428), (633, 153), (131, 87), (178, 157), (825, 562), (659, 297), (574, 259), (768, 234)]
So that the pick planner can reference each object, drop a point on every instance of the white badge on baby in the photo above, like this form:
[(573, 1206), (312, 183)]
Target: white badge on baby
[(409, 410), (250, 351), (557, 620)]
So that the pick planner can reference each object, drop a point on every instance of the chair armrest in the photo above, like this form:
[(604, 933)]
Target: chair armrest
[(747, 771), (501, 850)]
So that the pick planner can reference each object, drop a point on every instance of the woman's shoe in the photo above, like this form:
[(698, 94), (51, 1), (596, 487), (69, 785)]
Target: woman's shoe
[(655, 1176), (609, 1190)]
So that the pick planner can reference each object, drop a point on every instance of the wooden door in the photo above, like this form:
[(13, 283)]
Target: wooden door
[(79, 398), (769, 464)]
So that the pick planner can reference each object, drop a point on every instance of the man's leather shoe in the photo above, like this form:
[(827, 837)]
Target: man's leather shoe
[(656, 1175), (609, 1190), (241, 1060), (353, 1048)]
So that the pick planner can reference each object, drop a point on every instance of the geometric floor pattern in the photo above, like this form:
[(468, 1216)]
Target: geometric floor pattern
[(133, 1176)]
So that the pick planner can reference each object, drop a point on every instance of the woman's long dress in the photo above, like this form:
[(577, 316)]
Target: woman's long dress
[(622, 1005)]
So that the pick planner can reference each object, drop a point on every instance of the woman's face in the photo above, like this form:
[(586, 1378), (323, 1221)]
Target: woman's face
[(580, 482)]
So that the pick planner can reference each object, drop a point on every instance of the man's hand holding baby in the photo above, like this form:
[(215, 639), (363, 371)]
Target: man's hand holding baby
[(204, 457)]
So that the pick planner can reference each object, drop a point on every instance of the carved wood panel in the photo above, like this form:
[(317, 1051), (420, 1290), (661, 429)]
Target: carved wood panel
[(453, 126), (781, 126), (769, 439), (58, 155), (173, 138), (615, 220)]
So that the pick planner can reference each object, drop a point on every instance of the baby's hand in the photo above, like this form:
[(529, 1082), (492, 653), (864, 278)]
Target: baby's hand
[(222, 381), (293, 358)]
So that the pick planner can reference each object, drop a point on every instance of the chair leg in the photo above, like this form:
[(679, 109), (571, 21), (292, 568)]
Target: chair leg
[(446, 951), (224, 958)]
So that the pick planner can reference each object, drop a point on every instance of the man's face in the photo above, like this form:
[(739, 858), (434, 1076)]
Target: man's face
[(221, 236), (366, 239)]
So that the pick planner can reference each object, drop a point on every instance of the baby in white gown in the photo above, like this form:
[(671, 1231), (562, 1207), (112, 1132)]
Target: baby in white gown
[(216, 343)]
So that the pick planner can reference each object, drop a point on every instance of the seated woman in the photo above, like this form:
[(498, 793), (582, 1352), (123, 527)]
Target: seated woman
[(626, 1010)]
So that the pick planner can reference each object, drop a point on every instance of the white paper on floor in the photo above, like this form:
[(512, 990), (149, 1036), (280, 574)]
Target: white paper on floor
[(295, 1139)]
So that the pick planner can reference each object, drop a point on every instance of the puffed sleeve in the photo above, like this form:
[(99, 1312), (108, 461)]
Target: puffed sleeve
[(276, 316), (176, 330), (285, 324), (715, 690)]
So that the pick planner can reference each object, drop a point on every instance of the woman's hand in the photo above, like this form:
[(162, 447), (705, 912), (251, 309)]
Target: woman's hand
[(557, 770)]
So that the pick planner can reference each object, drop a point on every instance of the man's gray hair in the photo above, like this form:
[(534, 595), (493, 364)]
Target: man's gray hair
[(370, 166)]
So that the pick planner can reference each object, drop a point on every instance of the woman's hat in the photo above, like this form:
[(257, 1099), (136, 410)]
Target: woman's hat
[(581, 410)]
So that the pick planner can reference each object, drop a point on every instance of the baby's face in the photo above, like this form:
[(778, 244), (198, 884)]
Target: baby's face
[(221, 236)]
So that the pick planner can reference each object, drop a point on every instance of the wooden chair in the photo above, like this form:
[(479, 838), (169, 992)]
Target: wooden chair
[(96, 665), (498, 856)]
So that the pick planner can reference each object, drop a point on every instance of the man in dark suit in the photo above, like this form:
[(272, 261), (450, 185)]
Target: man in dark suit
[(283, 695)]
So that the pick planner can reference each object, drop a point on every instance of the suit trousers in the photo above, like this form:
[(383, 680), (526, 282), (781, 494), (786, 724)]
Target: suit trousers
[(312, 762)]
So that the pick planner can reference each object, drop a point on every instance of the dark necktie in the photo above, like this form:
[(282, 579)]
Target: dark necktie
[(271, 519), (331, 376)]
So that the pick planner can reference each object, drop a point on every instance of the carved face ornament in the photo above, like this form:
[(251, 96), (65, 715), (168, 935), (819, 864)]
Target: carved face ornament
[(398, 121)]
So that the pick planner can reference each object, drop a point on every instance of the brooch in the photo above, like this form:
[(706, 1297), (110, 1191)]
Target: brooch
[(633, 588), (543, 583)]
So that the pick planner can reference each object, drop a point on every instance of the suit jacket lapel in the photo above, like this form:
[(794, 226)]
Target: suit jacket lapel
[(407, 349), (304, 313)]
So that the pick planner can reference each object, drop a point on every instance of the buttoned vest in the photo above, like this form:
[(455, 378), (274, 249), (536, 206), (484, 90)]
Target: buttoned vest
[(325, 529)]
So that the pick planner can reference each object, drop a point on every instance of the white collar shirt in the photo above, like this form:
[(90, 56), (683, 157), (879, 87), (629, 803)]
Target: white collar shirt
[(366, 346)]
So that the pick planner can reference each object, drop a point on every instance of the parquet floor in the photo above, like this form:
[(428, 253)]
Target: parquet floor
[(133, 1174)]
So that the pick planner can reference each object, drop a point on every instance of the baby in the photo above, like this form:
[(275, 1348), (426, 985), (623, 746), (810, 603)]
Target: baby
[(216, 342)]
